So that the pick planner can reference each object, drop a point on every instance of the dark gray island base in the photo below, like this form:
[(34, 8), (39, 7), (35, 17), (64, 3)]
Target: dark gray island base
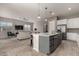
[(49, 43)]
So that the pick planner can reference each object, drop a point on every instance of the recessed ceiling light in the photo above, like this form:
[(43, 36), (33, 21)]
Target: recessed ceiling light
[(52, 13), (45, 19), (38, 17), (69, 9)]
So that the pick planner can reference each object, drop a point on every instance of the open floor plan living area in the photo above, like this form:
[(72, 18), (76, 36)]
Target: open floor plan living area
[(39, 29)]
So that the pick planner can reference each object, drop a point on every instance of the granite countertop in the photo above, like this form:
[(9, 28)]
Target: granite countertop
[(47, 34)]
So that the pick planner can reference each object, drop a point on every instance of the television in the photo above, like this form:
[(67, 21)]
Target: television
[(18, 27)]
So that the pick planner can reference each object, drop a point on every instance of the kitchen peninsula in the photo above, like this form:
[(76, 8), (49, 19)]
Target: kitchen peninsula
[(45, 42)]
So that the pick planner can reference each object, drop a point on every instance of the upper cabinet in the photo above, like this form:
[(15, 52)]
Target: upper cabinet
[(63, 21), (73, 23)]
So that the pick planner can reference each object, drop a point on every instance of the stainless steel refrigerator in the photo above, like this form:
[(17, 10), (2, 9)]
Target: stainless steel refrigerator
[(63, 29)]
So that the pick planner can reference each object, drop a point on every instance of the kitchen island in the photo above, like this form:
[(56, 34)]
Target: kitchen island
[(45, 42)]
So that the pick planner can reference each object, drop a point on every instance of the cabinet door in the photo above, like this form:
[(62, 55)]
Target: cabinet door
[(55, 41), (73, 23), (59, 38), (51, 44), (44, 44)]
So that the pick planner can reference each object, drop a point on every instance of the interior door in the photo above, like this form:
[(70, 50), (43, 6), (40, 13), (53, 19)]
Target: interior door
[(63, 29)]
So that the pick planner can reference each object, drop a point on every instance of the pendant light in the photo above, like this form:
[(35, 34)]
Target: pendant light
[(39, 11), (45, 14)]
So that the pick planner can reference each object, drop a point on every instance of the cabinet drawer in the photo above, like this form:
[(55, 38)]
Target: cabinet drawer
[(52, 49), (52, 44)]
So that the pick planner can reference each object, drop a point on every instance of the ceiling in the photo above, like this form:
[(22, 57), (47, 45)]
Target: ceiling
[(32, 10)]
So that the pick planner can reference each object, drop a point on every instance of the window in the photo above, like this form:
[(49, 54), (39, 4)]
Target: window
[(4, 24), (27, 27)]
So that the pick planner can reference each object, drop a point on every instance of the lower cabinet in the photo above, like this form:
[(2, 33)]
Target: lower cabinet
[(64, 36), (57, 40), (48, 44)]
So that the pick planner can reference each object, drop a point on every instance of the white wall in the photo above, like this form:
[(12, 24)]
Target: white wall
[(38, 25), (52, 25)]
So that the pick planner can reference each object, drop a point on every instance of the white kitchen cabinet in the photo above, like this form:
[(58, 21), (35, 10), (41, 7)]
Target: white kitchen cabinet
[(72, 36), (73, 23), (63, 21)]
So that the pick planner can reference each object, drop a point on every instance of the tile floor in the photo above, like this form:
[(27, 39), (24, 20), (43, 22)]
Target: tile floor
[(13, 47)]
